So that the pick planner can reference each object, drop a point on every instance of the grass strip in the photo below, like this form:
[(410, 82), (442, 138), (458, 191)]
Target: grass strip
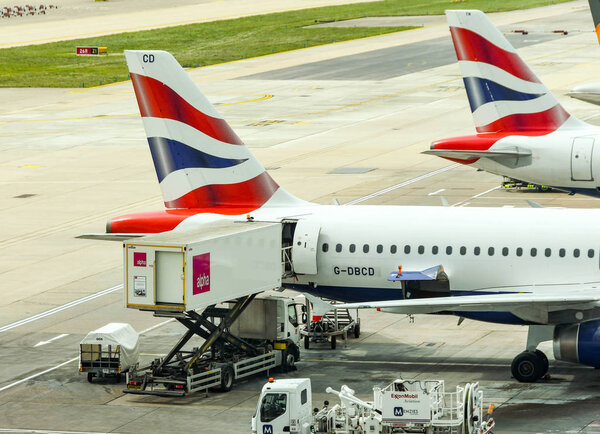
[(56, 65)]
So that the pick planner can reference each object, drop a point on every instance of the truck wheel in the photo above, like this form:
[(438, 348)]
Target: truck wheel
[(296, 353), (226, 379), (90, 377), (306, 342), (118, 378), (357, 330), (287, 364), (333, 342)]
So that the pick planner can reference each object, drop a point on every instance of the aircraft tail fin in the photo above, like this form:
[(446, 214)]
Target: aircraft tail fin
[(504, 94), (200, 162), (595, 8)]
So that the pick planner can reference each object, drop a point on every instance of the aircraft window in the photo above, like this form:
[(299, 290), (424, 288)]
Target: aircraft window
[(421, 250), (365, 248), (379, 248), (407, 249), (519, 251), (338, 248), (491, 251), (325, 247), (533, 251), (547, 252), (590, 253), (448, 250), (393, 249), (272, 406), (352, 248), (504, 251), (561, 253), (476, 251), (576, 253), (463, 250), (434, 250)]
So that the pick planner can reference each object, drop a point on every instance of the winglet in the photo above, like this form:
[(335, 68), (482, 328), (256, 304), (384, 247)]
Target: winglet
[(319, 307)]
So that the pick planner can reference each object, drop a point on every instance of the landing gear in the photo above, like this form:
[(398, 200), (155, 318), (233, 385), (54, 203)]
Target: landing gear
[(529, 366)]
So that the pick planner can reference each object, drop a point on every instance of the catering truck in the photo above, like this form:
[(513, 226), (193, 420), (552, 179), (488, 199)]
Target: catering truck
[(206, 281)]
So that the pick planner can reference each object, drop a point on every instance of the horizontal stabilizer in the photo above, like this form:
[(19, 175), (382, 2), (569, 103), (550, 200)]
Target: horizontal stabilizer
[(427, 274), (109, 236), (471, 154)]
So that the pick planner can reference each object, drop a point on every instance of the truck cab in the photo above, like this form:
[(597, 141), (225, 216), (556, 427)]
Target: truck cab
[(284, 406)]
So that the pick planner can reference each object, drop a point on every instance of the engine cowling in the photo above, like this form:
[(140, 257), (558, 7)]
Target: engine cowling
[(578, 343)]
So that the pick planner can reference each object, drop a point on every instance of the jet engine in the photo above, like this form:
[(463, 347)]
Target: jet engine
[(578, 343)]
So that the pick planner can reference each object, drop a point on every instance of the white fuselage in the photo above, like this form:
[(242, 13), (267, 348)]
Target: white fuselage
[(567, 159), (570, 235)]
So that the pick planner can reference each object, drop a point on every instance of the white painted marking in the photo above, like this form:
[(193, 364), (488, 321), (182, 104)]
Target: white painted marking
[(23, 380), (403, 184), (60, 365), (436, 192), (59, 308), (43, 431), (464, 204), (55, 338), (476, 196)]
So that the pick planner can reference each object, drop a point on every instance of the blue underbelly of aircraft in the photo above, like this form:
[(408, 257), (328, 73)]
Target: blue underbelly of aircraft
[(363, 294)]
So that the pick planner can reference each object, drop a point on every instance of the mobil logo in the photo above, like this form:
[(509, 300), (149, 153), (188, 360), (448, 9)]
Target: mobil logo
[(201, 273), (398, 411), (267, 429), (139, 259)]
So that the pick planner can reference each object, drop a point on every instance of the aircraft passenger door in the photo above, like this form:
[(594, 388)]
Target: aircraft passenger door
[(581, 159), (304, 249)]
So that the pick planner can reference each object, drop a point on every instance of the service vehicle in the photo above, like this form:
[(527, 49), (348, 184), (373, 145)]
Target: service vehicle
[(109, 351), (404, 406), (338, 323)]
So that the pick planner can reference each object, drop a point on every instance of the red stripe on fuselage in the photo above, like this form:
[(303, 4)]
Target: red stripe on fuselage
[(250, 195), (472, 46), (529, 124), (161, 221), (158, 100)]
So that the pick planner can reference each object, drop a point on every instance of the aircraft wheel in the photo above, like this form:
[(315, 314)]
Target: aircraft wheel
[(546, 364), (527, 367)]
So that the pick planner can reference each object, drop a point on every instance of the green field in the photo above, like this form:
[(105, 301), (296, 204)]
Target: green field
[(55, 64)]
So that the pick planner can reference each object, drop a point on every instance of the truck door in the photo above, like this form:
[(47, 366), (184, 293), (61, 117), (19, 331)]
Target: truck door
[(274, 414), (169, 272), (581, 159), (304, 249)]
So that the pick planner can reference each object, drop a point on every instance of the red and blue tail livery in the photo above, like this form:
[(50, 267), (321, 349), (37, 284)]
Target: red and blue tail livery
[(200, 162), (523, 131), (504, 94)]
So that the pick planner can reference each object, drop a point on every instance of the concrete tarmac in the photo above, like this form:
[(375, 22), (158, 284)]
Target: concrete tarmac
[(73, 158)]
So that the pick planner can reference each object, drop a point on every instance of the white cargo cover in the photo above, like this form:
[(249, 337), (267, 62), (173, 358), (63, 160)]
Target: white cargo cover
[(117, 334), (185, 270)]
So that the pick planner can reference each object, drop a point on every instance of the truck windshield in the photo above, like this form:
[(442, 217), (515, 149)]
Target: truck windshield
[(272, 406)]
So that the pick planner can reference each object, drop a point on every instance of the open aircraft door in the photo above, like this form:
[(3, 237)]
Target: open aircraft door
[(304, 248), (581, 159)]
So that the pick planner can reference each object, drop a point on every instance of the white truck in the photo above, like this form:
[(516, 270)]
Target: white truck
[(414, 406), (247, 338)]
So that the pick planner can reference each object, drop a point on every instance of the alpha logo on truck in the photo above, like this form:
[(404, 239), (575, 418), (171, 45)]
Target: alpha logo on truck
[(201, 273), (139, 259)]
